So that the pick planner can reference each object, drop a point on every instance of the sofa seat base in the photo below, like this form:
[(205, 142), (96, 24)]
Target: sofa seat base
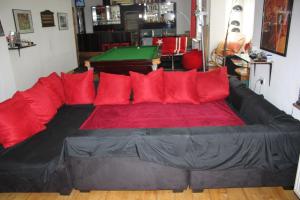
[(125, 173), (207, 179)]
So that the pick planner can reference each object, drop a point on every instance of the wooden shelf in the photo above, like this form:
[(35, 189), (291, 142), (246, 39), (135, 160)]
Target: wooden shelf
[(22, 47), (297, 106)]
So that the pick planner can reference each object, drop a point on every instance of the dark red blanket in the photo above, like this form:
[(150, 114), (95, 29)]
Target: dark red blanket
[(155, 115)]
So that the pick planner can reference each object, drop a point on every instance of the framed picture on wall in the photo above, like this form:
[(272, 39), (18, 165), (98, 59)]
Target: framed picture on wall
[(23, 21), (79, 3), (1, 30), (62, 21), (276, 25)]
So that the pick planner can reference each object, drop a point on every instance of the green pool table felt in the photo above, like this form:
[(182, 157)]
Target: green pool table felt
[(127, 53)]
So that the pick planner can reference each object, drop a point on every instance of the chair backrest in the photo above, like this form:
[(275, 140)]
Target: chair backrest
[(171, 45)]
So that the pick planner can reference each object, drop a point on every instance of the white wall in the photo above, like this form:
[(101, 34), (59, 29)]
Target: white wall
[(217, 23), (285, 81), (55, 50), (7, 79)]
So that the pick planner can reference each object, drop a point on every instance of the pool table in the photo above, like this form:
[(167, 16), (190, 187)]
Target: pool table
[(121, 60)]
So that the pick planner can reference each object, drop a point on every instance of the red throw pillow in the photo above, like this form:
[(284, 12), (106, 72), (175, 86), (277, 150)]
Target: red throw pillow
[(113, 89), (53, 82), (38, 98), (148, 88), (180, 87), (213, 85), (192, 60), (17, 121), (79, 88)]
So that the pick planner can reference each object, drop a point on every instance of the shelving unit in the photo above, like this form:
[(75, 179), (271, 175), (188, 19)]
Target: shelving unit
[(20, 47)]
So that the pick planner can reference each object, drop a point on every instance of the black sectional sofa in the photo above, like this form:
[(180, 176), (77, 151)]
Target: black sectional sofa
[(262, 153)]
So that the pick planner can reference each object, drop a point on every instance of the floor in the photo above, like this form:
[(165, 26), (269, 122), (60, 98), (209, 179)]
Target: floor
[(274, 193)]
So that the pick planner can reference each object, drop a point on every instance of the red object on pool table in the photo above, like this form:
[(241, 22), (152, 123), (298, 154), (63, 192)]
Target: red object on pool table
[(157, 115)]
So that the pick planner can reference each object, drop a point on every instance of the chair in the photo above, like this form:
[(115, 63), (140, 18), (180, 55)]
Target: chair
[(171, 46), (235, 45)]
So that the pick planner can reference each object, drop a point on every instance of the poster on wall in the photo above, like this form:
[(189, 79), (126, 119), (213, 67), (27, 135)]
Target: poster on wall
[(62, 21), (1, 30), (23, 21), (275, 26)]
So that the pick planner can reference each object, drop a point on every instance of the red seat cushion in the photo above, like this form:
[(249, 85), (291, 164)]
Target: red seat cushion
[(53, 82), (148, 88), (213, 85), (79, 88), (192, 60), (17, 121), (38, 98), (113, 89), (180, 87)]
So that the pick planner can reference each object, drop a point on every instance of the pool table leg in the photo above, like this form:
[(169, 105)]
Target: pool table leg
[(155, 63), (154, 67)]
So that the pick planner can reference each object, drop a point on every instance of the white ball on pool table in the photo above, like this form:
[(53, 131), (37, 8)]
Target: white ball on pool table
[(138, 47)]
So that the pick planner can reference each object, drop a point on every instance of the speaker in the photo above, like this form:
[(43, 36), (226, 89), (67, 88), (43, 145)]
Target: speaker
[(106, 2)]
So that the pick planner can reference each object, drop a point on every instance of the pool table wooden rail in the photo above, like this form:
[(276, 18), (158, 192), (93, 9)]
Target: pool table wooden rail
[(124, 66)]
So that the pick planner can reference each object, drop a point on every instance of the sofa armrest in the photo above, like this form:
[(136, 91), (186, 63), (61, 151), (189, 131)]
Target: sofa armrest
[(255, 109)]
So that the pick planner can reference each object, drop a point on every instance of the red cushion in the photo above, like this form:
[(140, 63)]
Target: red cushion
[(113, 89), (17, 121), (192, 60), (53, 82), (79, 88), (40, 102), (180, 87), (148, 88), (213, 85)]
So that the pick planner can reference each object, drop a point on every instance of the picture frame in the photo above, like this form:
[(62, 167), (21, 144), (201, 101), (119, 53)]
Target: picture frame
[(79, 3), (275, 29), (62, 19), (23, 21), (47, 18), (1, 30)]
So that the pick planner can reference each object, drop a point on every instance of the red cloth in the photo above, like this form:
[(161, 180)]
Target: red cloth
[(40, 102), (113, 89), (156, 115), (180, 87), (148, 88), (192, 60), (17, 121), (79, 88), (213, 85), (171, 45)]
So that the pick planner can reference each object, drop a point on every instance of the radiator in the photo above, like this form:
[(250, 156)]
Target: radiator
[(297, 181)]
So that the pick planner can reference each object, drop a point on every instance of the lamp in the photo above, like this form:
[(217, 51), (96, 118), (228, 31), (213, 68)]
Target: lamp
[(235, 8), (235, 30), (200, 14)]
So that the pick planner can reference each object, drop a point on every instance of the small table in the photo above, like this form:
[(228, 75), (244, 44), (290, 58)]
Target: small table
[(121, 60), (246, 58), (296, 106)]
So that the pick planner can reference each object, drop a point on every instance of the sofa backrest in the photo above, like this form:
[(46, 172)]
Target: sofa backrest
[(255, 109)]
